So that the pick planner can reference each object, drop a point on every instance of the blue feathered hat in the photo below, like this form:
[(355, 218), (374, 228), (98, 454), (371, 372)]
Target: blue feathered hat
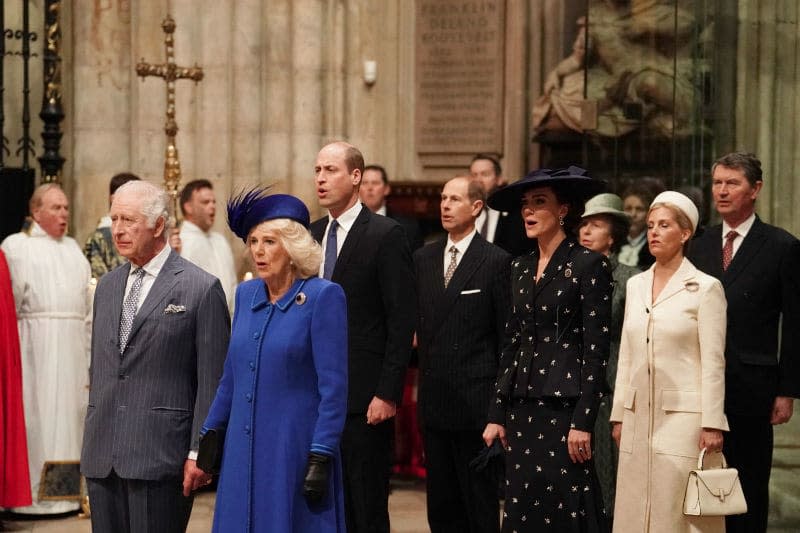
[(250, 208)]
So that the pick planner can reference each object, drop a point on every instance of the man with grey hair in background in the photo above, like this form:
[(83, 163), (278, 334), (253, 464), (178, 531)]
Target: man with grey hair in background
[(50, 281), (159, 339)]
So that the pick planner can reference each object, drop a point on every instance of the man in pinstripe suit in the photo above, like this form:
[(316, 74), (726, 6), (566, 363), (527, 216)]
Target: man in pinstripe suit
[(159, 339), (463, 297)]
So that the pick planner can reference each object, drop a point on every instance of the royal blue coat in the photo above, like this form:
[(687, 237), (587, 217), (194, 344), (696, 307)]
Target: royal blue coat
[(283, 394)]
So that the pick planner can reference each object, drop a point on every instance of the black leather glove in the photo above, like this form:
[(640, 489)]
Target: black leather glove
[(318, 473)]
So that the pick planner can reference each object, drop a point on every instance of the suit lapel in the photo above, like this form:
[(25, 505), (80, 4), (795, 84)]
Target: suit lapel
[(318, 229), (712, 251), (357, 230), (473, 258), (166, 279), (118, 296), (557, 265), (677, 283), (749, 249)]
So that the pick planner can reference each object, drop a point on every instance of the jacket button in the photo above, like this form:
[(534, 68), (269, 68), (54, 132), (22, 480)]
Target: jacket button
[(455, 346), (252, 366), (255, 335), (249, 397), (247, 430)]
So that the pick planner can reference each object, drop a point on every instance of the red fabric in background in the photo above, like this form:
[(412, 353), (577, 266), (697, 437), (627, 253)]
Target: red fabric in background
[(15, 484), (408, 451)]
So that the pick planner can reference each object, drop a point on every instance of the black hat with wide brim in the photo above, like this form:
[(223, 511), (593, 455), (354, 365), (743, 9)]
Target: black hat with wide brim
[(574, 180)]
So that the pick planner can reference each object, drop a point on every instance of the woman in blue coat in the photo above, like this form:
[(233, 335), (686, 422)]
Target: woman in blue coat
[(282, 399)]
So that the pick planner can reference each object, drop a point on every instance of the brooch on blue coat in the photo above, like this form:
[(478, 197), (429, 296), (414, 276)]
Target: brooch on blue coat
[(300, 299)]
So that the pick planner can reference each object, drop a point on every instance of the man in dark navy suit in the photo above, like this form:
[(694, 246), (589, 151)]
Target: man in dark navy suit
[(759, 266), (463, 288), (368, 255)]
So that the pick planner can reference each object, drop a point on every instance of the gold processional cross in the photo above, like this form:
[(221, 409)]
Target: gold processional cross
[(170, 72)]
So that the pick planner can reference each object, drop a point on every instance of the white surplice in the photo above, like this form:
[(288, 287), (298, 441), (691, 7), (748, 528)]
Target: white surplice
[(211, 252), (50, 280)]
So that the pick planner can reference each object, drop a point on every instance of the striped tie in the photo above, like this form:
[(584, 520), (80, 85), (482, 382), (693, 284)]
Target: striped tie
[(451, 268), (129, 308)]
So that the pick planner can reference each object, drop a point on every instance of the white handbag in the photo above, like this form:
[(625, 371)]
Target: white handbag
[(713, 491)]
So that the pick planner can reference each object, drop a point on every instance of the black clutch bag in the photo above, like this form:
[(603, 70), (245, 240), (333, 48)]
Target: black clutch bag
[(209, 455)]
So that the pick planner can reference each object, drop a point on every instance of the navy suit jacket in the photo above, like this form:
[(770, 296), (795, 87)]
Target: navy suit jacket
[(762, 286), (374, 269), (460, 331), (147, 405)]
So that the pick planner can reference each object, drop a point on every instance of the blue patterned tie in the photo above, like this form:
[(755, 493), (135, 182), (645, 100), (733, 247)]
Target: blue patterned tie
[(129, 308), (330, 250)]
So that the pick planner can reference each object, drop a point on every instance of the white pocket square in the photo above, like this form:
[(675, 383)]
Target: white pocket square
[(172, 308), (471, 291)]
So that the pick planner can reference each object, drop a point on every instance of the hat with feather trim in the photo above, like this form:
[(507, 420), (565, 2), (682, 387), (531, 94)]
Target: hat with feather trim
[(250, 208)]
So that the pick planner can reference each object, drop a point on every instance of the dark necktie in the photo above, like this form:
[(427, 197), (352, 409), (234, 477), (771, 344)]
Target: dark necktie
[(451, 268), (129, 308), (727, 250), (330, 250)]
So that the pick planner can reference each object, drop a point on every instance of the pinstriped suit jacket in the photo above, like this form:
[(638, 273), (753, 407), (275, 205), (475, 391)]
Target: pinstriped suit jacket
[(147, 405), (460, 332)]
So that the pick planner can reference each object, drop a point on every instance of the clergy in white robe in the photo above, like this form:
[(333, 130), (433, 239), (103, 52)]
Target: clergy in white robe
[(205, 248), (50, 280)]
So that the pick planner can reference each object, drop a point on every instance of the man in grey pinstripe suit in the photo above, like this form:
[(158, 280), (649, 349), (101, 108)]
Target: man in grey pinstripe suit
[(159, 339)]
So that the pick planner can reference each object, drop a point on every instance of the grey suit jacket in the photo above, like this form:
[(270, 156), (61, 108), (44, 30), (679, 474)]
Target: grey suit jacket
[(146, 406)]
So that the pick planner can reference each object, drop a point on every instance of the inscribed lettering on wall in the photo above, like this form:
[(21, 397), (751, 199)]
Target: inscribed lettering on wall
[(459, 76)]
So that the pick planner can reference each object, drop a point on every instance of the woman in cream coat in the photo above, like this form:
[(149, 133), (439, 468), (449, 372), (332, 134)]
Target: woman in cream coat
[(670, 386)]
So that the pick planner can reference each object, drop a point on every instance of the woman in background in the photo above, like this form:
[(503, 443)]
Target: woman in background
[(282, 399), (670, 386), (603, 229)]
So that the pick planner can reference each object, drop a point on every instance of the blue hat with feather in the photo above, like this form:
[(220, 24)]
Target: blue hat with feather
[(250, 208)]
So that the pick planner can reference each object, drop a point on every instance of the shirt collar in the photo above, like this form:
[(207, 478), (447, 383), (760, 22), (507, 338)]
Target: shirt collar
[(293, 295), (37, 231), (154, 266), (381, 210), (461, 245), (192, 227), (742, 229), (348, 218), (638, 240)]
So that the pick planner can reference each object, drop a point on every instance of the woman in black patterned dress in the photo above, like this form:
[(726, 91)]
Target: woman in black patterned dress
[(552, 369)]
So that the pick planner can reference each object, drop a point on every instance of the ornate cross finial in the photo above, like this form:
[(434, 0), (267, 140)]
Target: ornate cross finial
[(170, 72)]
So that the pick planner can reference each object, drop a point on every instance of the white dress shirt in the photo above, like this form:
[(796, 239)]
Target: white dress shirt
[(151, 270), (491, 228), (629, 253), (742, 230), (461, 246), (346, 221)]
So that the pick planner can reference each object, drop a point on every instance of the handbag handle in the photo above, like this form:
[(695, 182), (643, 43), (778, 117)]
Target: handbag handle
[(702, 457)]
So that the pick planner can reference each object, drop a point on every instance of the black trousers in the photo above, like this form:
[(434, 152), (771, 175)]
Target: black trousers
[(748, 448), (460, 500), (366, 465), (138, 506)]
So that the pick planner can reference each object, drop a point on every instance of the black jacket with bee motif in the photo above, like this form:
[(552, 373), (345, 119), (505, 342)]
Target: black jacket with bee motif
[(557, 336)]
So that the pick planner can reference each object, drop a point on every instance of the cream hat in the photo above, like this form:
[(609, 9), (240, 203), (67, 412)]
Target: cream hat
[(682, 202), (605, 204)]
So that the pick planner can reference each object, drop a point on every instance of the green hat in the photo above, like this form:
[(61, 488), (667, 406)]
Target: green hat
[(605, 204)]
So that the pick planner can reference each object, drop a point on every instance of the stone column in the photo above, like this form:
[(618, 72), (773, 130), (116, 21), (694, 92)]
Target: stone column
[(99, 113), (767, 106)]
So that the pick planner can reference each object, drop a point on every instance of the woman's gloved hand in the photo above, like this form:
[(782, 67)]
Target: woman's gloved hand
[(318, 472)]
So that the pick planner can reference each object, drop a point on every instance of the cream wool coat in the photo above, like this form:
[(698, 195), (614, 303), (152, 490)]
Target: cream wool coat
[(670, 384)]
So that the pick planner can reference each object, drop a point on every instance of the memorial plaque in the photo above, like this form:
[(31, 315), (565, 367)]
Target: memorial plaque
[(459, 76)]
